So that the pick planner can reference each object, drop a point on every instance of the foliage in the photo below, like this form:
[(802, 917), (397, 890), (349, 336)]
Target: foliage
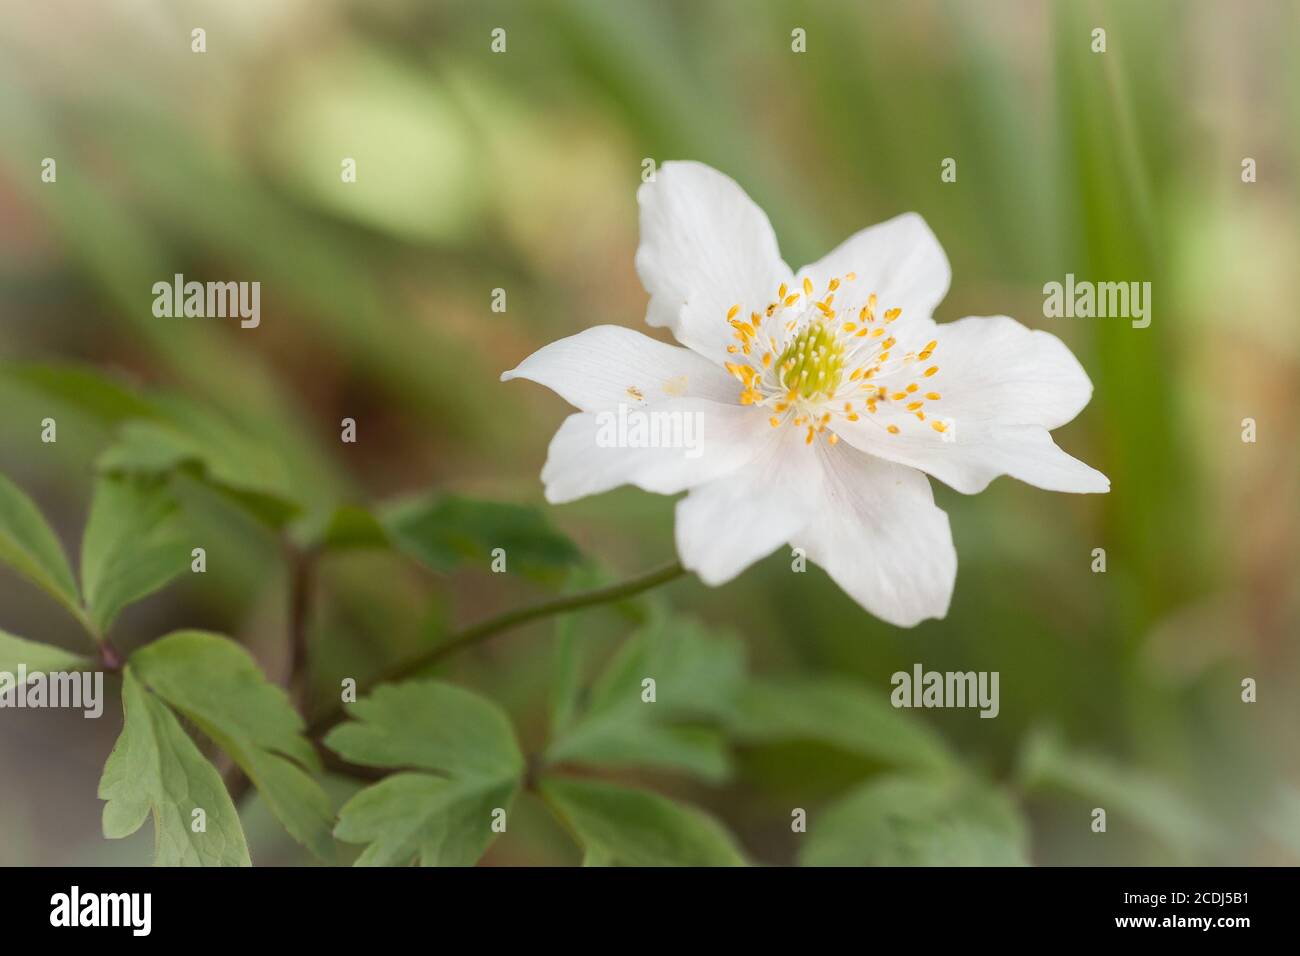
[(674, 698), (183, 433)]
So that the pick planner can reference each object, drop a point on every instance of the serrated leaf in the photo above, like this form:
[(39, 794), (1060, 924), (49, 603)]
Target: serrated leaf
[(430, 725), (1144, 799), (419, 817), (155, 768), (621, 826), (37, 658), (134, 544), (918, 821), (450, 531), (29, 546), (840, 713), (442, 817), (696, 676), (215, 683)]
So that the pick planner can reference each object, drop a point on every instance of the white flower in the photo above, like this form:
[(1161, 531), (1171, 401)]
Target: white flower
[(825, 396)]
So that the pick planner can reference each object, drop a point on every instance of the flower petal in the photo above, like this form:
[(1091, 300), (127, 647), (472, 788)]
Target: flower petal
[(899, 260), (726, 525), (881, 538), (1001, 386), (609, 365), (705, 247), (596, 451), (993, 369), (979, 453)]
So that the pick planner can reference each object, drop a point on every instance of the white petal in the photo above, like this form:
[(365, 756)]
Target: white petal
[(978, 453), (900, 260), (881, 538), (609, 365), (725, 526), (993, 369), (582, 461), (705, 247), (1001, 387)]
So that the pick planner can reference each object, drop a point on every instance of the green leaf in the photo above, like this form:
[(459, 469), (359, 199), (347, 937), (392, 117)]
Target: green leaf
[(430, 725), (351, 526), (149, 448), (187, 436), (566, 683), (37, 658), (469, 765), (918, 821), (216, 684), (417, 816), (1147, 801), (840, 713), (449, 531), (155, 768), (135, 543), (626, 827), (696, 676), (29, 546), (82, 388)]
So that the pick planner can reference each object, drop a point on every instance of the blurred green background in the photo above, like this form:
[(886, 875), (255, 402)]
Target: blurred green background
[(479, 171)]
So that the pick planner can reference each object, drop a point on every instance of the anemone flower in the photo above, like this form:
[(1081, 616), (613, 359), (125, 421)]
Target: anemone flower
[(806, 408)]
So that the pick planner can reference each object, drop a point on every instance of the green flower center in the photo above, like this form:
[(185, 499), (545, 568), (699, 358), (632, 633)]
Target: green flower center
[(813, 364)]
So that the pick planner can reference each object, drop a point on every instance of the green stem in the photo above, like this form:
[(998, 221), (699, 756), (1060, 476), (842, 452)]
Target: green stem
[(503, 622)]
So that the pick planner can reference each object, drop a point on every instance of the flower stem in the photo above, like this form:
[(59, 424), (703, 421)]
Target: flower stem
[(300, 568), (301, 581), (503, 622)]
